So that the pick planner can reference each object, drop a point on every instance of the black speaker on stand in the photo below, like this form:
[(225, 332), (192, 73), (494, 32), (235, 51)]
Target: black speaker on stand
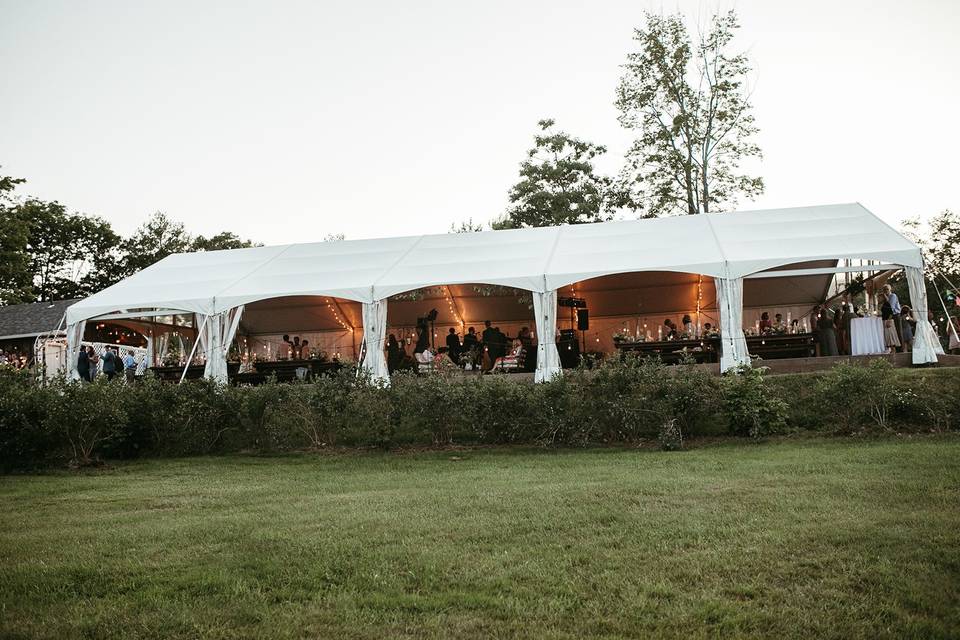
[(583, 325), (569, 348)]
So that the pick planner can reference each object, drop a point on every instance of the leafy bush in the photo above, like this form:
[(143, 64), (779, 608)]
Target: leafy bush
[(751, 407), (614, 401), (24, 441), (671, 436), (87, 417), (854, 396)]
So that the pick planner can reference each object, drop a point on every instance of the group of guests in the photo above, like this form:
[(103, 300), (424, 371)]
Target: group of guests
[(13, 359), (297, 349), (833, 325), (111, 363), (488, 350), (684, 332)]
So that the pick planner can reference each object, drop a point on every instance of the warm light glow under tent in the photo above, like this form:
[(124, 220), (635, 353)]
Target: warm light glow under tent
[(726, 247)]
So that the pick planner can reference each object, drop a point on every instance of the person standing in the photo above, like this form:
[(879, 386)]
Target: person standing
[(83, 364), (393, 353), (129, 366), (896, 309), (109, 363), (890, 338), (94, 360), (907, 324), (828, 336), (453, 345), (423, 339), (470, 341)]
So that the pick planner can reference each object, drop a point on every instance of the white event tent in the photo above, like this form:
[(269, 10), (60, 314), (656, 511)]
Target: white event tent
[(796, 243)]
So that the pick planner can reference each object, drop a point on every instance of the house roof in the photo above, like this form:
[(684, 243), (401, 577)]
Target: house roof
[(29, 320)]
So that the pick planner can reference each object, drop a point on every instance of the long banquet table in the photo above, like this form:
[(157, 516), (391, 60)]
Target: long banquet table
[(286, 370), (769, 347), (779, 346), (674, 351)]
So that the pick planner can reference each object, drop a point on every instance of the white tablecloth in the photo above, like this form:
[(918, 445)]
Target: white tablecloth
[(866, 336)]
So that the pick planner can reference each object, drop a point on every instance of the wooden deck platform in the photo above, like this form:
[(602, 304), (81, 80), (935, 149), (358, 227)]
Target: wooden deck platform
[(798, 365)]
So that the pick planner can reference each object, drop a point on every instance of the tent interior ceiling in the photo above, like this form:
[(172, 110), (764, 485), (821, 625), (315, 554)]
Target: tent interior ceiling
[(619, 295)]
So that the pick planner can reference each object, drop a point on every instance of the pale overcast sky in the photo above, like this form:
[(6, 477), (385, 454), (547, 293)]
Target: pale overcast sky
[(286, 121)]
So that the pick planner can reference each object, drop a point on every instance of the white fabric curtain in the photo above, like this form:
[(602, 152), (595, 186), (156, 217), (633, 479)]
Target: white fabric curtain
[(374, 335), (730, 302), (164, 348), (74, 339), (202, 336), (548, 358), (925, 342), (220, 332)]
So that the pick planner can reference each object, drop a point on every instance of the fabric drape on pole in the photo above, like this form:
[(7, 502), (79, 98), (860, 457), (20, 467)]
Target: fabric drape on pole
[(925, 342), (74, 338), (730, 303), (548, 358), (221, 329), (374, 336), (202, 336)]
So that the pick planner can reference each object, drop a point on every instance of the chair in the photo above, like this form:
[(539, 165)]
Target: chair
[(514, 361)]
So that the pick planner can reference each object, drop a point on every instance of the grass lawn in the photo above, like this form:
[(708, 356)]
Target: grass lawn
[(790, 539)]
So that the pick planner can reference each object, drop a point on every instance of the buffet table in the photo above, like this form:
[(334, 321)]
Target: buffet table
[(866, 336)]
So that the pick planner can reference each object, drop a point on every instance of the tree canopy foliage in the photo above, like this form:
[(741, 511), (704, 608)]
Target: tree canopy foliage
[(689, 103), (50, 253), (558, 184)]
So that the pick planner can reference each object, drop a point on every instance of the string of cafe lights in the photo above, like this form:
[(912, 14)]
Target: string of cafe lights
[(448, 296), (334, 307)]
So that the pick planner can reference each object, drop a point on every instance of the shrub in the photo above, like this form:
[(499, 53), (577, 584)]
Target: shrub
[(87, 417), (751, 406), (856, 395), (24, 440), (671, 436)]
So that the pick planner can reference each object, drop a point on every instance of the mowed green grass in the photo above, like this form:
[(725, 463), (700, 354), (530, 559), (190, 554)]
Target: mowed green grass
[(789, 539)]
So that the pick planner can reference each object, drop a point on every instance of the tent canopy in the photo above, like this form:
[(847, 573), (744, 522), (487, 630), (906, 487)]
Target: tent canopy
[(727, 245)]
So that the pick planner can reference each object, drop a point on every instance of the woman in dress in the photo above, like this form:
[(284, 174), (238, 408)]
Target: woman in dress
[(907, 324), (765, 323), (393, 353), (890, 338)]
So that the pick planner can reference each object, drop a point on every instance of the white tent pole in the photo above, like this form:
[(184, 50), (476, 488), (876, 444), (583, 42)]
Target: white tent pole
[(194, 350)]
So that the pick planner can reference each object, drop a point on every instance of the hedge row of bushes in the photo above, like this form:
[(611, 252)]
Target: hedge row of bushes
[(617, 402)]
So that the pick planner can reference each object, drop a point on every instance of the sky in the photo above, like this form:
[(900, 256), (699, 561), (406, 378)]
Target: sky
[(288, 121)]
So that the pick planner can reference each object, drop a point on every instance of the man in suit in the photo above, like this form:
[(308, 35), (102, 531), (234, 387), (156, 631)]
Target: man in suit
[(453, 345)]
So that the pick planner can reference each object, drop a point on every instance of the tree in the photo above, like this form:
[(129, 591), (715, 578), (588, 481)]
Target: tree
[(467, 226), (161, 236), (219, 242), (153, 241), (558, 184), (939, 239), (14, 231), (691, 108), (71, 255)]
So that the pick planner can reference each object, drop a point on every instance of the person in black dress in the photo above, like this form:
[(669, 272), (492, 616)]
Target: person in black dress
[(394, 356), (423, 339), (453, 345), (83, 364)]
